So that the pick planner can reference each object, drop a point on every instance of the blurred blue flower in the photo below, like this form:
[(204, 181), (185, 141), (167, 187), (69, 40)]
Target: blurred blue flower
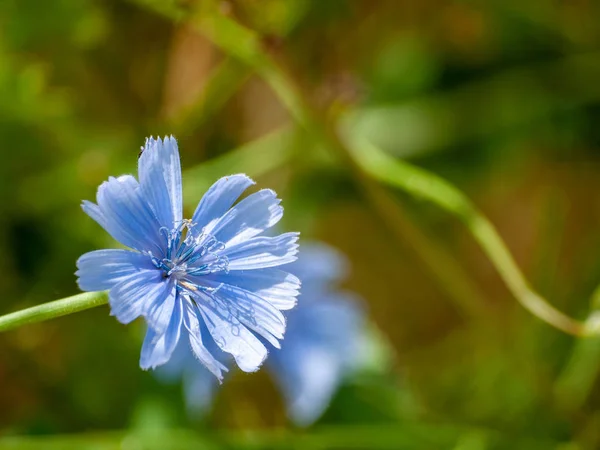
[(212, 278), (322, 343), (323, 337)]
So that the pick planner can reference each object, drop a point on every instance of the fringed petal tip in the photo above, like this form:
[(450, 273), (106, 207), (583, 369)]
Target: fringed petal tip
[(222, 369), (243, 176), (252, 369), (292, 245), (293, 294), (150, 140), (217, 370), (148, 367)]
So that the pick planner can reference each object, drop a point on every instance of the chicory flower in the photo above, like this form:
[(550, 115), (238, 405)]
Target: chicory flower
[(213, 277)]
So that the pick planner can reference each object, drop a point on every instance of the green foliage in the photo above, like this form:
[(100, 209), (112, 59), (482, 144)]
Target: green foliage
[(335, 105)]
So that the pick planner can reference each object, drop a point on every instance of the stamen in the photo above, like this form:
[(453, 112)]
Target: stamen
[(189, 253)]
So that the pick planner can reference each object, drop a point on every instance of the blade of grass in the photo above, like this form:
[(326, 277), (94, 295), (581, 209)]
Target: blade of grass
[(577, 379), (222, 83)]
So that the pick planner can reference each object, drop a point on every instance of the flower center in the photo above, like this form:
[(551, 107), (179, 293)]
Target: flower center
[(189, 253)]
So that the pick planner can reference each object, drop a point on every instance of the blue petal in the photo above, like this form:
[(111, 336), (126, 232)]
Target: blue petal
[(180, 359), (132, 297), (308, 377), (190, 320), (124, 214), (199, 383), (261, 252), (102, 269), (321, 345), (318, 266), (250, 217), (159, 310), (93, 210), (159, 171), (230, 335), (158, 348), (336, 321), (275, 286), (219, 198), (251, 310)]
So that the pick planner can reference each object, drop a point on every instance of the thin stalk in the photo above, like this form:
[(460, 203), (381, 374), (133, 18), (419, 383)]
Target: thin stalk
[(577, 379), (451, 277), (51, 310), (428, 186), (223, 82)]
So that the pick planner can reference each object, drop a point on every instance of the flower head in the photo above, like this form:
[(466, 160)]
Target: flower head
[(321, 346), (211, 277)]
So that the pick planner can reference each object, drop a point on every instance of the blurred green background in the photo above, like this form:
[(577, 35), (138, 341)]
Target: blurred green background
[(501, 98)]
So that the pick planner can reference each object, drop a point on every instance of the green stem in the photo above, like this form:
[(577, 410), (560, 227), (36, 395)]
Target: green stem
[(222, 83), (50, 310), (577, 379), (450, 275), (425, 185)]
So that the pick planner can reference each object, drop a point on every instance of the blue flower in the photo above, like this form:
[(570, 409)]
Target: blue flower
[(211, 278), (323, 337), (321, 346)]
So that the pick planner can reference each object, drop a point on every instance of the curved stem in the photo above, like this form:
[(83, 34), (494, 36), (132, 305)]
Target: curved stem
[(449, 274), (423, 184), (50, 310)]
